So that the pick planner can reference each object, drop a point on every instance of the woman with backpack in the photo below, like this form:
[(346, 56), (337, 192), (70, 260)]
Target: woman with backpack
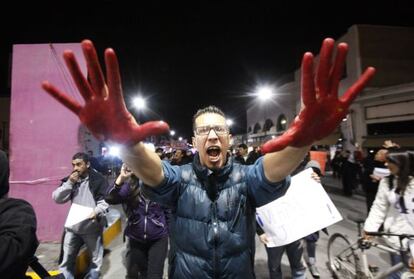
[(146, 229)]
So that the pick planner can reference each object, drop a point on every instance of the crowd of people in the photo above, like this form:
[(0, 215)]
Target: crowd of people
[(203, 206)]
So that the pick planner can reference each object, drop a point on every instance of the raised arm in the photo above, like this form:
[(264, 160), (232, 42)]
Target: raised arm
[(321, 112), (105, 113)]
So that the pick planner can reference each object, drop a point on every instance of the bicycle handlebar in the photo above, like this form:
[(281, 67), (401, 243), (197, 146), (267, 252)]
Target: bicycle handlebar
[(401, 236)]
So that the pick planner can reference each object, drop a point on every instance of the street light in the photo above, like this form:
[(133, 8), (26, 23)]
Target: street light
[(229, 122), (172, 133), (139, 103), (264, 93)]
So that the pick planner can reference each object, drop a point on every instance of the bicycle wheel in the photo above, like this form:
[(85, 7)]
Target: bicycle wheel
[(342, 260)]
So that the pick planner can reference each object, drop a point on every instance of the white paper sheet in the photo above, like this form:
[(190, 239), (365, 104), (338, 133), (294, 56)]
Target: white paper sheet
[(304, 209), (77, 213), (381, 172)]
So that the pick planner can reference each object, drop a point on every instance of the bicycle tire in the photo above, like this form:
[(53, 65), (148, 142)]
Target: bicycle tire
[(342, 261)]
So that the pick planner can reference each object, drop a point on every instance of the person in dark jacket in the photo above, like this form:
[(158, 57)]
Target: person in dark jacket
[(253, 155), (84, 188), (146, 228), (242, 154), (18, 241)]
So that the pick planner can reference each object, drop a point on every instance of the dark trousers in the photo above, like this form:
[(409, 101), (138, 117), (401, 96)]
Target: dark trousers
[(145, 260), (294, 252), (370, 198)]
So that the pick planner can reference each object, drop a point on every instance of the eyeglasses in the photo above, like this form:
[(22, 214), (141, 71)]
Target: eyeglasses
[(205, 130)]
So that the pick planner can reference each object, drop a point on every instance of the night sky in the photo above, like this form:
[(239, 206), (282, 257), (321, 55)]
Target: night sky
[(186, 57)]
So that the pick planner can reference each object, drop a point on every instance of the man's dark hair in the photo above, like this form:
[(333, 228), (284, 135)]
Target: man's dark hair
[(159, 149), (242, 145), (209, 109), (81, 155)]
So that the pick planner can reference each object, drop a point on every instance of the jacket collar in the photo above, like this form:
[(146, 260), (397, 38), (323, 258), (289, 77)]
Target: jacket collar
[(203, 172)]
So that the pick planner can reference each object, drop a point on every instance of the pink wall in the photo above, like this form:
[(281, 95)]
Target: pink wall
[(43, 133)]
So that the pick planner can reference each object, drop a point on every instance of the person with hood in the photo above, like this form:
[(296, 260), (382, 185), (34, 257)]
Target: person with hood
[(18, 240)]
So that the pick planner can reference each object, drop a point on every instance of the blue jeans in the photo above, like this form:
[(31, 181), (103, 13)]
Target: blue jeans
[(71, 246), (294, 252), (395, 258)]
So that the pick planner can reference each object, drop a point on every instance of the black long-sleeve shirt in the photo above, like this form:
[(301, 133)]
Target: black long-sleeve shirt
[(18, 241)]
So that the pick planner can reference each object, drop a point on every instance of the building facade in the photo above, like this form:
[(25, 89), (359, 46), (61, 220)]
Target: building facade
[(384, 110)]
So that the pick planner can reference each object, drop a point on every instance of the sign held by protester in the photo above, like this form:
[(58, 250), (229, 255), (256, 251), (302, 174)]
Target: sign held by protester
[(304, 209)]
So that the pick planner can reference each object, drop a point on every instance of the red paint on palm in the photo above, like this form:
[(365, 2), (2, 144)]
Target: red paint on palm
[(322, 110), (104, 112)]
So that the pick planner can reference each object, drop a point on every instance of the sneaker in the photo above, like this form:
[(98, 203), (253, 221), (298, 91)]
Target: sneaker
[(314, 271)]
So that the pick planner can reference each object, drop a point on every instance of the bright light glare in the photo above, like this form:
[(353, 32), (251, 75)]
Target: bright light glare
[(180, 138), (139, 103), (114, 151), (229, 122), (172, 133), (264, 93)]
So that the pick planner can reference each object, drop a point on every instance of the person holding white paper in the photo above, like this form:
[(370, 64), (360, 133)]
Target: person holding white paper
[(294, 250), (86, 189), (370, 179)]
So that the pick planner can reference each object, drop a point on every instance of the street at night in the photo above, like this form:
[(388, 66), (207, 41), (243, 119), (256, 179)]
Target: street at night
[(131, 129)]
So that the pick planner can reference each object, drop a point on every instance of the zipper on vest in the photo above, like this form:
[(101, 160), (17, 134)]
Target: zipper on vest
[(145, 219), (216, 273)]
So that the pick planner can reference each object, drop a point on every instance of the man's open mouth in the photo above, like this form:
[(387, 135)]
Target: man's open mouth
[(213, 152)]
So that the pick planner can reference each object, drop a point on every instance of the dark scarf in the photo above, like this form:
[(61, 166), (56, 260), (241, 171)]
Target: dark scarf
[(210, 178)]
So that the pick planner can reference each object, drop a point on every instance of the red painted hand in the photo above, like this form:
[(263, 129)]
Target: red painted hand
[(104, 112), (322, 111)]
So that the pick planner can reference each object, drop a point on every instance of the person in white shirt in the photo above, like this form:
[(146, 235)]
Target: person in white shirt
[(390, 205)]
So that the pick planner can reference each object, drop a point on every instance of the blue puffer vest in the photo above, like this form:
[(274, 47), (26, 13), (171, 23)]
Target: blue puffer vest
[(212, 239)]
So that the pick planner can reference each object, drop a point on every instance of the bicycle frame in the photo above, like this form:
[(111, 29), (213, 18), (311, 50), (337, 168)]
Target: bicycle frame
[(353, 259), (388, 271)]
